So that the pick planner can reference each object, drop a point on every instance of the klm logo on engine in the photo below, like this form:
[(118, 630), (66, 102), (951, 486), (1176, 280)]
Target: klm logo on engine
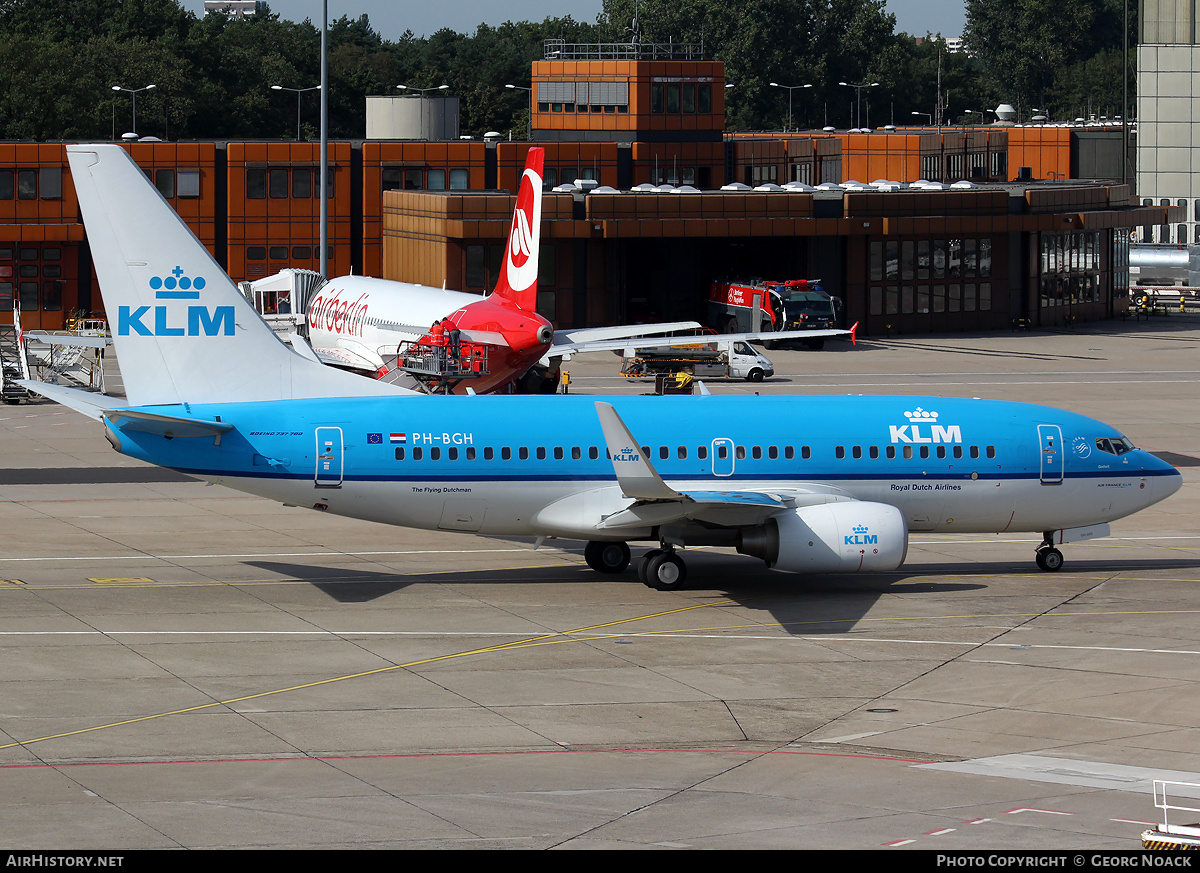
[(861, 537), (177, 320), (922, 427)]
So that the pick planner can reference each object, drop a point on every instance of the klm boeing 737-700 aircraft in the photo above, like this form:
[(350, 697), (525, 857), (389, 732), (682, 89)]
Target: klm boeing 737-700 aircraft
[(807, 484)]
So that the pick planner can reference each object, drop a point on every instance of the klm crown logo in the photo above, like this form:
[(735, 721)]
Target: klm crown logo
[(626, 454), (860, 537), (176, 320), (933, 432)]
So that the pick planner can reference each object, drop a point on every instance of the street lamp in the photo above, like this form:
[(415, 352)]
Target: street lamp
[(529, 125), (422, 92), (928, 115), (858, 94), (134, 92), (790, 89), (298, 91)]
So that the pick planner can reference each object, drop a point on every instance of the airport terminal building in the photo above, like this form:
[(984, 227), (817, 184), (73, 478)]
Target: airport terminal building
[(648, 201)]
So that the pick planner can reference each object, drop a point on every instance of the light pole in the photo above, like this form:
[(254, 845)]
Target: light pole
[(298, 91), (928, 115), (422, 92), (134, 92), (790, 89), (529, 126), (858, 93)]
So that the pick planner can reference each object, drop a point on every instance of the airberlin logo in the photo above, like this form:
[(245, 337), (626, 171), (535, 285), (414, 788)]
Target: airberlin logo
[(176, 320), (522, 262), (861, 537), (922, 427)]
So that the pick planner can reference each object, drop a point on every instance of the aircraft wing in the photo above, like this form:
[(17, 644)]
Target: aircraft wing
[(567, 342), (69, 339), (659, 342), (348, 358), (656, 503)]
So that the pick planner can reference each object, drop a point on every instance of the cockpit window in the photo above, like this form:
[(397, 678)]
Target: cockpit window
[(1114, 445)]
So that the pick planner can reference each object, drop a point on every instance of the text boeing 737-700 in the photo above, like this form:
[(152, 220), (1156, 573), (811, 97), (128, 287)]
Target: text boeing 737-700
[(807, 484)]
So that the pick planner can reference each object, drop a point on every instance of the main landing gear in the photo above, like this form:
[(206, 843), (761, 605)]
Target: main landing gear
[(1049, 558), (659, 568)]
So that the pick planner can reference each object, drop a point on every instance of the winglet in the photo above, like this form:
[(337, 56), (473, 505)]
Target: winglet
[(637, 478), (518, 277), (853, 331)]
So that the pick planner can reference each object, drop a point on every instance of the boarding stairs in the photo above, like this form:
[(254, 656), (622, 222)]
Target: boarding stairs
[(10, 367)]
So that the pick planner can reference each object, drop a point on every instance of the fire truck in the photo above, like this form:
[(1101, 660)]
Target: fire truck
[(753, 305)]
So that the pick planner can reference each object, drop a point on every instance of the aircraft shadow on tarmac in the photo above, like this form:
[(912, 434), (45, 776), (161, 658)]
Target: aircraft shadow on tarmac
[(800, 604)]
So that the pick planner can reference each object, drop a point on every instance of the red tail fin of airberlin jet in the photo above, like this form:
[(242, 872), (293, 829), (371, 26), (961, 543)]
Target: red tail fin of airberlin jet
[(518, 276)]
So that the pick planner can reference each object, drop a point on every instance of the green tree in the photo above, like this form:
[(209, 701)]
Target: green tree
[(792, 42), (1026, 48)]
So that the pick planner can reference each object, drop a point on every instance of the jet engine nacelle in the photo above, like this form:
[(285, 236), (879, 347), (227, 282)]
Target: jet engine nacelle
[(849, 537)]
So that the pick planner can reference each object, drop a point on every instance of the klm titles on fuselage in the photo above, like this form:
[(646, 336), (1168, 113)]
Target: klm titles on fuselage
[(918, 419), (169, 320)]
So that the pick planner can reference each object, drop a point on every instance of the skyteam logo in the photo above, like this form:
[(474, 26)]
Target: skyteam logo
[(861, 536), (176, 320), (923, 427)]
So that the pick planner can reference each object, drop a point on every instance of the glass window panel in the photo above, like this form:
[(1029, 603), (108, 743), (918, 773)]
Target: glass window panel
[(302, 183), (256, 183), (164, 181), (188, 182), (51, 182), (277, 180)]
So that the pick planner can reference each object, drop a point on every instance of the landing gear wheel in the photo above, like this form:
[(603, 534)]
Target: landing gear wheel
[(666, 572), (606, 557), (1049, 559), (645, 563)]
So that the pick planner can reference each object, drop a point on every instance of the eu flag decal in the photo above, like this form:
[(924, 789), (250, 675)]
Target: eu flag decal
[(374, 439)]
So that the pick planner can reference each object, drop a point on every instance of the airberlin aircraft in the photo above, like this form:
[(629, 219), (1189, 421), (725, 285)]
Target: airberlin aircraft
[(359, 323), (356, 322), (805, 484)]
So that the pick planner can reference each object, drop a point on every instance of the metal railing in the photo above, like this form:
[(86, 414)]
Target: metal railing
[(561, 50), (1162, 801)]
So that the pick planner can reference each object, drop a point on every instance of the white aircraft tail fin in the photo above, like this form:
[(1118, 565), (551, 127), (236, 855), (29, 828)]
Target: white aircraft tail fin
[(182, 331), (518, 275)]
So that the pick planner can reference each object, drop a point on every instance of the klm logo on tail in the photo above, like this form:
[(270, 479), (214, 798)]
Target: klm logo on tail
[(171, 320)]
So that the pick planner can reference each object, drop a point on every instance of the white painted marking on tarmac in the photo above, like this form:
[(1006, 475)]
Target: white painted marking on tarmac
[(1065, 771), (325, 554)]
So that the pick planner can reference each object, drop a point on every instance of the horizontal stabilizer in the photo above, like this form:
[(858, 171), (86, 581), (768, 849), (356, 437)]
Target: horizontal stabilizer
[(84, 402), (165, 425)]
